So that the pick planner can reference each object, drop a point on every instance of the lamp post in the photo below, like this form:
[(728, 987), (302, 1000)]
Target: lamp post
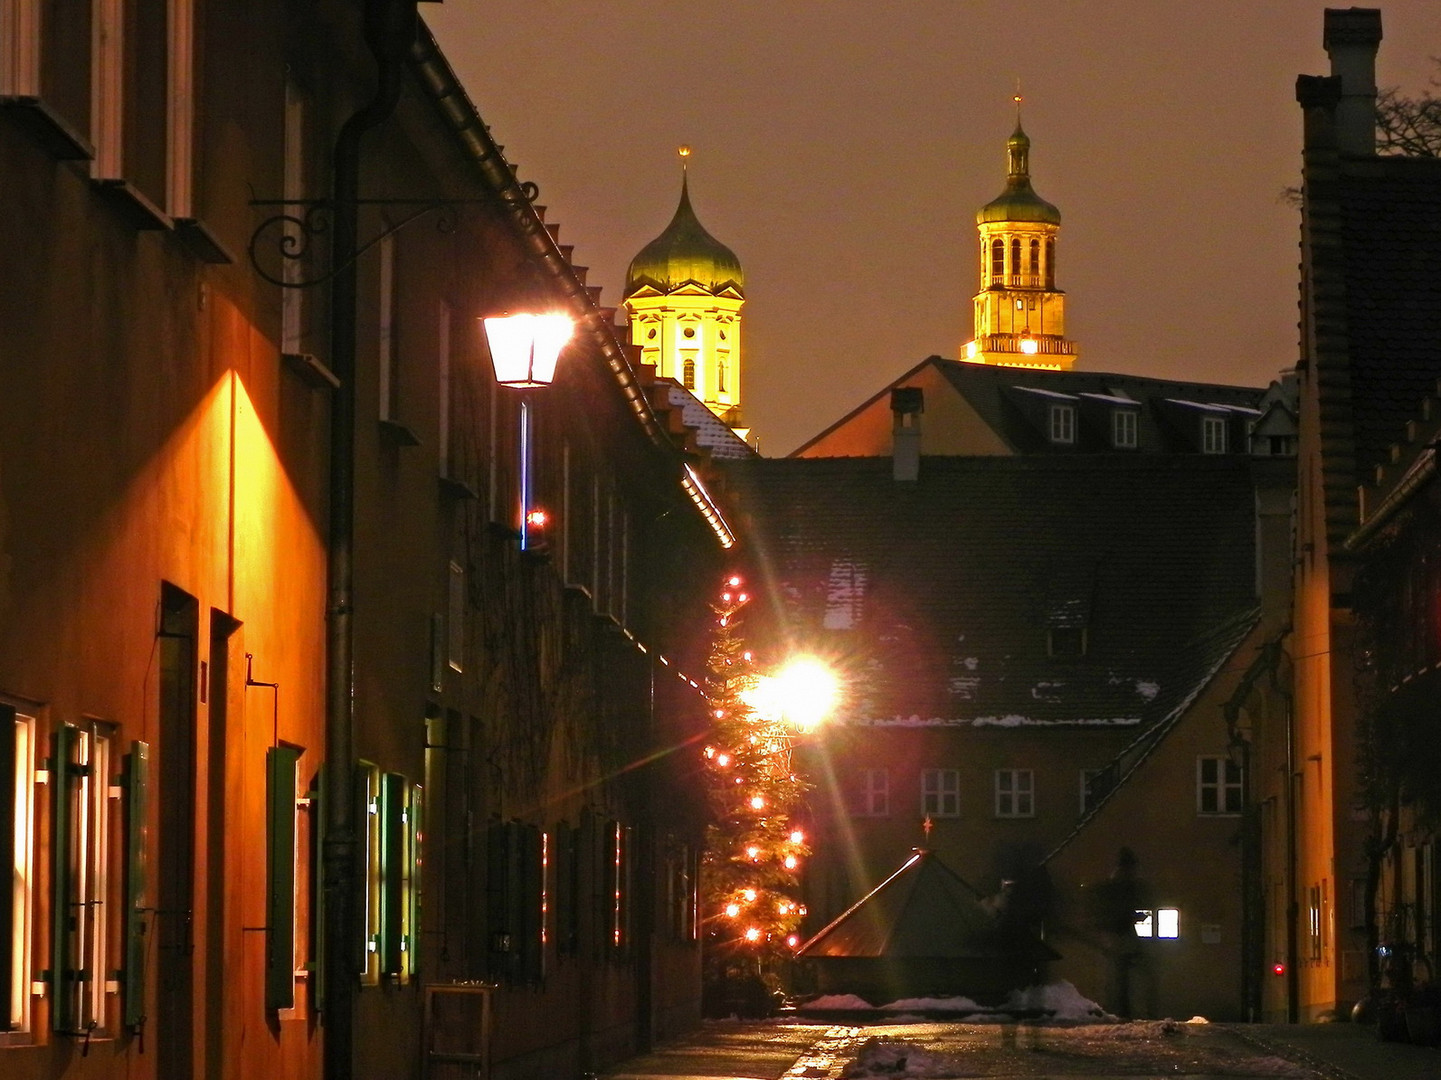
[(524, 350)]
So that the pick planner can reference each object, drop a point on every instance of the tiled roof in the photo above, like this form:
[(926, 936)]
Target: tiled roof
[(992, 391), (1391, 237), (940, 597), (711, 433)]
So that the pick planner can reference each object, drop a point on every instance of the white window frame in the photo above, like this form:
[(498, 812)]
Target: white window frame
[(875, 793), (1015, 793), (941, 793), (1062, 424), (1213, 435), (1125, 425), (22, 927), (89, 841), (1220, 786)]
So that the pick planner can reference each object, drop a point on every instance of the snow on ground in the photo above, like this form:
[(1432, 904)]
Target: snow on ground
[(1055, 1001)]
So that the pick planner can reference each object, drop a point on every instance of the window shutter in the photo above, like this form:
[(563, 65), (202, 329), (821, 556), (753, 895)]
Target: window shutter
[(392, 873), (280, 764), (9, 774), (64, 772), (137, 882)]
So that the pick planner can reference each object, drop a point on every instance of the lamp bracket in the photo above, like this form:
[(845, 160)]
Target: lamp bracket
[(299, 224)]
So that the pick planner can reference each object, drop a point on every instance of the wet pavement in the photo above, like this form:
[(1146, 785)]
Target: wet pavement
[(1148, 1050)]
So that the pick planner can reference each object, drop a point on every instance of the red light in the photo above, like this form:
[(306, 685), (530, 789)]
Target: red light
[(536, 519), (1278, 969)]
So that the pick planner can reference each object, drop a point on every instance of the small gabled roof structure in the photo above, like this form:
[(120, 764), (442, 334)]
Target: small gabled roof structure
[(923, 909)]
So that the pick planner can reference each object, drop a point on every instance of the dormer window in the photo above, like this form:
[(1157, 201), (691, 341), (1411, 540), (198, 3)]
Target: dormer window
[(1066, 642), (1213, 435), (1063, 424), (1123, 429)]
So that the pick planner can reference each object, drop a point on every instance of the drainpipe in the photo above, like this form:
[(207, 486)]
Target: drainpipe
[(390, 27), (1293, 904)]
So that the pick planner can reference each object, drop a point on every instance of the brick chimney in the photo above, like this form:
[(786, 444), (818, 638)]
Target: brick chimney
[(1351, 37), (907, 404)]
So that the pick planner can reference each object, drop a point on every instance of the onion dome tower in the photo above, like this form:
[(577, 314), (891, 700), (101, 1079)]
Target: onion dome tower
[(684, 294), (1020, 315)]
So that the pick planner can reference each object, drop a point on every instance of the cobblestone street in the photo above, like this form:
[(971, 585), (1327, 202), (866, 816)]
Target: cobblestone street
[(1136, 1051)]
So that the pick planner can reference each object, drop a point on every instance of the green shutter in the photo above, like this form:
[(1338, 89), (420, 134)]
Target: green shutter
[(64, 772), (9, 775), (137, 881), (280, 876), (414, 861), (317, 890), (392, 870)]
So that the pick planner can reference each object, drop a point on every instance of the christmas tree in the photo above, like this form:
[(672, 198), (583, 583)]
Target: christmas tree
[(749, 874)]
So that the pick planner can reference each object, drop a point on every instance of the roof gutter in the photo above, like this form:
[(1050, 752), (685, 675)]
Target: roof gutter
[(1421, 470), (439, 80)]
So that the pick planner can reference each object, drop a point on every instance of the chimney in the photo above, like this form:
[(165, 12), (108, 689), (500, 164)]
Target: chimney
[(1351, 37), (907, 404)]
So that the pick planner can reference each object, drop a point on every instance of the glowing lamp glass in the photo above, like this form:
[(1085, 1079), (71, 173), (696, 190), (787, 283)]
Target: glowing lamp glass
[(757, 802), (797, 837), (1029, 346), (749, 894), (792, 862), (733, 910), (524, 348), (793, 941), (753, 853), (753, 934)]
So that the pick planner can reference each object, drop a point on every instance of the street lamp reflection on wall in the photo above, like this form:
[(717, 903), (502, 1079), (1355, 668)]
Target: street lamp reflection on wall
[(524, 348)]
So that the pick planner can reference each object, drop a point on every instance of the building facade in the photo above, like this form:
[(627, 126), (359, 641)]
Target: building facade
[(281, 633)]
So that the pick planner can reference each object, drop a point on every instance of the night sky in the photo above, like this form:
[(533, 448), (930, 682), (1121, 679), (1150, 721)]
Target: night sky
[(842, 148)]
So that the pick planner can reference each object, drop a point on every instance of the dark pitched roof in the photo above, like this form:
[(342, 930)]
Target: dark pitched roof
[(924, 909), (942, 597), (1390, 230), (998, 394)]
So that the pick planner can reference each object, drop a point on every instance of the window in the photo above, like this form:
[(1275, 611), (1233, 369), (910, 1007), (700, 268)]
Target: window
[(1050, 263), (516, 900), (1313, 923), (720, 377), (17, 809), (455, 618), (1015, 790), (1089, 794), (998, 262), (1158, 923), (687, 377), (79, 875), (941, 792), (1213, 435), (280, 878), (1063, 424), (1035, 258), (1218, 786), (1123, 428), (874, 794), (1016, 256), (1066, 641)]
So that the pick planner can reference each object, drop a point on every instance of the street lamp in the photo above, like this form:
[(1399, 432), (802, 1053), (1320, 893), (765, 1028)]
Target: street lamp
[(802, 693), (524, 349)]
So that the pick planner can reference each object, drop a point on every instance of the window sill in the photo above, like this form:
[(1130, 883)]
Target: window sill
[(203, 244), (397, 434), (49, 129), (311, 370), (138, 211)]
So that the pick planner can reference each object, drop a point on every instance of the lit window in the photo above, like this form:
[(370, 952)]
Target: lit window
[(874, 794), (1218, 786), (1016, 257), (80, 867), (1035, 258), (941, 792), (1015, 793), (1168, 922), (1213, 435), (720, 377), (1063, 424), (998, 262), (368, 784), (17, 803), (1123, 428), (688, 374), (1145, 923)]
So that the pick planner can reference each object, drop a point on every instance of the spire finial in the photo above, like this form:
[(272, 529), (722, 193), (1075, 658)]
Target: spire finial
[(1016, 97), (684, 151), (927, 826)]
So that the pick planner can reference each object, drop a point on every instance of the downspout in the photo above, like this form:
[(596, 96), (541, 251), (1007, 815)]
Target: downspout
[(389, 32), (1293, 904)]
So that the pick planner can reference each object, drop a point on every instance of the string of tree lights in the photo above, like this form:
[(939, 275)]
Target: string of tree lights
[(754, 848)]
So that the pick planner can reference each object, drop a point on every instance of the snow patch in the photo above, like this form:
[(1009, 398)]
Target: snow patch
[(1147, 690), (1060, 1000), (945, 1004), (881, 1056), (837, 1001)]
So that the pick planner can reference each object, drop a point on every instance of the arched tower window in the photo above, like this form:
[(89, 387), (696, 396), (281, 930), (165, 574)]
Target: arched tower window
[(1035, 270), (1050, 262), (720, 377), (998, 262), (687, 376), (1015, 256)]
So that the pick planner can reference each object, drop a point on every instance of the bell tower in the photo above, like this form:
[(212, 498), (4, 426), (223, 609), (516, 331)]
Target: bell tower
[(684, 294), (1020, 315)]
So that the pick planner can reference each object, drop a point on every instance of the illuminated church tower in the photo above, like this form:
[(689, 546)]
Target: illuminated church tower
[(684, 293), (1020, 315)]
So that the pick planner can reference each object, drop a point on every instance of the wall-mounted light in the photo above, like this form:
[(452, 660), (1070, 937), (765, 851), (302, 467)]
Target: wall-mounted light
[(524, 348), (1029, 345)]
